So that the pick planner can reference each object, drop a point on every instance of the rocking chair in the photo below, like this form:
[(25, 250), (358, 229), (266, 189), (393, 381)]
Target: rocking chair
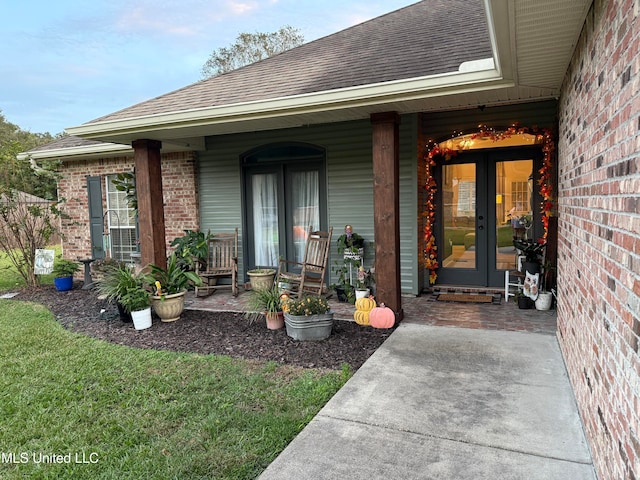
[(310, 278), (222, 262)]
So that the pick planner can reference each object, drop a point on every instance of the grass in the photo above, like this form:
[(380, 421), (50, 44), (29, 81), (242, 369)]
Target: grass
[(10, 279), (130, 414)]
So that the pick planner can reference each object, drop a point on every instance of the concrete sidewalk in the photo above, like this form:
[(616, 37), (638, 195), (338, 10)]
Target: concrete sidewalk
[(447, 403)]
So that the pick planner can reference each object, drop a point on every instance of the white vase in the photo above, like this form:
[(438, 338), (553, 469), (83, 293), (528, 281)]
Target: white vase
[(141, 318), (362, 293), (544, 301)]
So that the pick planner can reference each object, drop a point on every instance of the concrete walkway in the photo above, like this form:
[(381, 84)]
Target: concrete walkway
[(451, 404)]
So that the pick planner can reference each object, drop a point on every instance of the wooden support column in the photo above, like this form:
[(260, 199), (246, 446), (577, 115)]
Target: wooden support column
[(146, 155), (386, 209)]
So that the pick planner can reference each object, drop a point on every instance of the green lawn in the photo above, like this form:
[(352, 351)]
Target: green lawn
[(133, 414)]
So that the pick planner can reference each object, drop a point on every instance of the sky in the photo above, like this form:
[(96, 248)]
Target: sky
[(66, 62)]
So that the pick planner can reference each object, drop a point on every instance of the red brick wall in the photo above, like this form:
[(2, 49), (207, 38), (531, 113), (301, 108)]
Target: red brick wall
[(180, 192), (599, 234)]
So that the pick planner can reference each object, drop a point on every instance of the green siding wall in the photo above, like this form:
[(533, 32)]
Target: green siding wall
[(349, 183)]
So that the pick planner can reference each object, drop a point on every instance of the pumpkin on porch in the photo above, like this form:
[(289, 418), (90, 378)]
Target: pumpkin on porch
[(363, 307), (382, 317)]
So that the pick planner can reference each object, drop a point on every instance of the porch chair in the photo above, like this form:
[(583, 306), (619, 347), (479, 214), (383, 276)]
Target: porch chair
[(310, 278), (222, 262)]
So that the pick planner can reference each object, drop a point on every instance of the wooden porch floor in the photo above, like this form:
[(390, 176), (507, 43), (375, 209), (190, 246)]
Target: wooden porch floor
[(422, 310)]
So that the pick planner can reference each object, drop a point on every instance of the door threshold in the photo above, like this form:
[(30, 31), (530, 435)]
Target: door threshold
[(436, 289)]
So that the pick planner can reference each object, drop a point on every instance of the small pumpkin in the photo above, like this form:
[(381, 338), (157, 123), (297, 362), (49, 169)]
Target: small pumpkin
[(382, 317), (361, 317), (365, 304)]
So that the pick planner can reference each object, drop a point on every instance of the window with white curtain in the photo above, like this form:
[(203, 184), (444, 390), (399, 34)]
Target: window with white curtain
[(120, 224)]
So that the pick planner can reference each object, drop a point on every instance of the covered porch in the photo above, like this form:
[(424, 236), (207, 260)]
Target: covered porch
[(423, 310)]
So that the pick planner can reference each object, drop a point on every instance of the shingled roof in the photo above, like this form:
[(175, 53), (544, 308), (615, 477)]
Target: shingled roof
[(427, 38)]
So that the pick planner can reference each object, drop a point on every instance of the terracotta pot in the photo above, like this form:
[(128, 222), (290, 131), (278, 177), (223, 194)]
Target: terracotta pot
[(170, 307), (275, 320)]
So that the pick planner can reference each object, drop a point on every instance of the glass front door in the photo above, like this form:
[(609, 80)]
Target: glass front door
[(486, 199)]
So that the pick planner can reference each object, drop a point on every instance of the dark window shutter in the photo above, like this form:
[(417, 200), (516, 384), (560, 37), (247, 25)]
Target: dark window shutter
[(96, 224)]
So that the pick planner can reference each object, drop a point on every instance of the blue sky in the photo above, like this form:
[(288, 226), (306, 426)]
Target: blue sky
[(65, 62)]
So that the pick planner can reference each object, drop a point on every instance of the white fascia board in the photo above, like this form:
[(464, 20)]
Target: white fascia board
[(361, 96), (85, 151)]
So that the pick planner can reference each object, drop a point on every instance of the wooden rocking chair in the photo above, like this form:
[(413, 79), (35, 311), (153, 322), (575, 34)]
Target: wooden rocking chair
[(313, 267), (222, 262)]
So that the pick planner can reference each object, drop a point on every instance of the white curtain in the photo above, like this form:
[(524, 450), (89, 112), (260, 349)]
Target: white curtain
[(305, 200), (265, 219)]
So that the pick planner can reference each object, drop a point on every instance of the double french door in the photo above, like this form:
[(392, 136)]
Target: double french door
[(486, 198), (282, 201)]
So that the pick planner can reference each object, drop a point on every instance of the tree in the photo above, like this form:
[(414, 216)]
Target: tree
[(26, 223), (250, 48)]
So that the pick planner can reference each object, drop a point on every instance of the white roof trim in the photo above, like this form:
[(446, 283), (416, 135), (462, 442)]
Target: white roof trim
[(84, 151)]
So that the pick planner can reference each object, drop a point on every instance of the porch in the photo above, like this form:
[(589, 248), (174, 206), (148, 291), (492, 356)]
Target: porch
[(422, 310)]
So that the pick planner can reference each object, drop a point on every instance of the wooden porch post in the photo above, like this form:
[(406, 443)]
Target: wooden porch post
[(146, 155), (386, 209)]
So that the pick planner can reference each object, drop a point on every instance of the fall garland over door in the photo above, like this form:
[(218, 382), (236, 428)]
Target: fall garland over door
[(446, 150)]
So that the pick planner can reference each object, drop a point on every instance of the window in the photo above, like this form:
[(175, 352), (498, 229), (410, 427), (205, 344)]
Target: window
[(121, 239)]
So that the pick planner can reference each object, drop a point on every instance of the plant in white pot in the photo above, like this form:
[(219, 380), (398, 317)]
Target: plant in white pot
[(171, 284), (121, 284)]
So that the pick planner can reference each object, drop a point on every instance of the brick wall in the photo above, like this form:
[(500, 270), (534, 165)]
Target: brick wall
[(180, 192), (599, 234)]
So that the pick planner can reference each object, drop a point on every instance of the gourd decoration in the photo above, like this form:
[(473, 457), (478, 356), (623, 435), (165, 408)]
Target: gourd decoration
[(363, 307), (382, 317)]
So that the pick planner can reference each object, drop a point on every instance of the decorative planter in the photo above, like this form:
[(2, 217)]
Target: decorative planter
[(141, 318), (63, 283), (362, 293), (169, 308), (261, 279), (342, 296), (544, 301), (275, 320), (309, 327)]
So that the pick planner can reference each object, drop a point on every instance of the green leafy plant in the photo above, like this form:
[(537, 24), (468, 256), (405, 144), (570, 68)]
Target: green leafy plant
[(191, 248), (173, 279), (307, 305), (65, 268), (126, 182), (122, 285), (263, 300)]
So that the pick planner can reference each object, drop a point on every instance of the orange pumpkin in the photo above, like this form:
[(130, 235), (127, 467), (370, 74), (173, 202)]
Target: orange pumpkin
[(382, 317)]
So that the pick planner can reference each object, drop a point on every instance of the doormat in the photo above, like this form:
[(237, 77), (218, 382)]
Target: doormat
[(464, 298)]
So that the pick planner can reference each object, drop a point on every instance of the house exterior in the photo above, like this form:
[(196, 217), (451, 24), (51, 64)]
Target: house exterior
[(343, 130)]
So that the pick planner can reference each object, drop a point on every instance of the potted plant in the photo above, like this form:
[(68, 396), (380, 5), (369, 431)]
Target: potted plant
[(308, 317), (545, 296), (170, 285), (362, 283), (267, 302), (116, 280), (191, 248), (121, 284), (261, 278), (532, 251), (351, 247), (137, 302), (522, 300), (63, 271)]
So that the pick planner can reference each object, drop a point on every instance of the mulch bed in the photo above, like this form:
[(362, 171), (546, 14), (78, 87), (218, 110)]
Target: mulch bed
[(209, 332)]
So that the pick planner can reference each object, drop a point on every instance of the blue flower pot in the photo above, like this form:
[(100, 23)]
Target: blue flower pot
[(63, 284)]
